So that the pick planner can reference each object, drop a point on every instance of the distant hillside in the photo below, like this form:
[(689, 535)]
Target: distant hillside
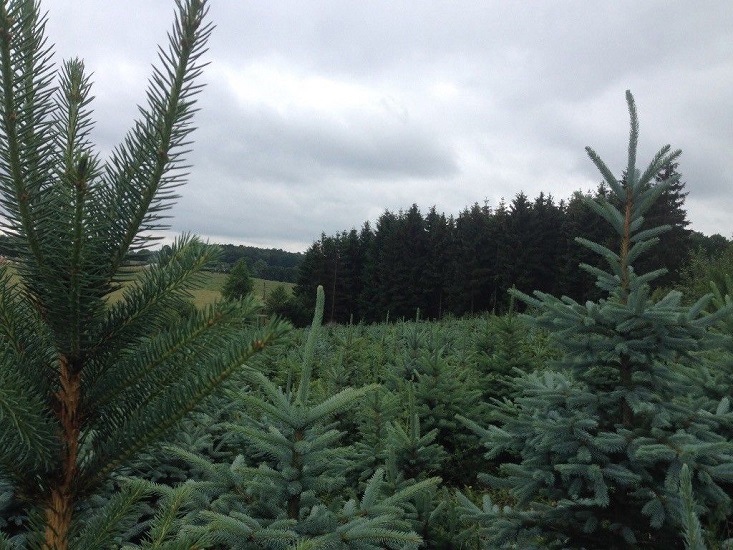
[(272, 264)]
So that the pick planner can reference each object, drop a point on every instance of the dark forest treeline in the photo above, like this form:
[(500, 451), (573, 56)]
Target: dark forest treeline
[(465, 264)]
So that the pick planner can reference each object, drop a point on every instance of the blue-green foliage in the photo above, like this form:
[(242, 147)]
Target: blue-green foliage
[(90, 379), (600, 439), (287, 485)]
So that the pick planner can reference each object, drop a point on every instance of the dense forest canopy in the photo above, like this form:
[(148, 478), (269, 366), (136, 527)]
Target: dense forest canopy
[(465, 264)]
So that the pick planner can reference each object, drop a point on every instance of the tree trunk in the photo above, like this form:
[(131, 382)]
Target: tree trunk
[(60, 505)]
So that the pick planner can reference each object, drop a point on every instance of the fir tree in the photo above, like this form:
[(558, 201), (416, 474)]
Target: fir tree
[(601, 443), (476, 275), (579, 221), (278, 301), (439, 265), (295, 489), (503, 353), (239, 282), (86, 385), (415, 454), (376, 412)]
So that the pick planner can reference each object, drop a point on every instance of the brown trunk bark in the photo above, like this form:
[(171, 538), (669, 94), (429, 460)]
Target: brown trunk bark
[(60, 504)]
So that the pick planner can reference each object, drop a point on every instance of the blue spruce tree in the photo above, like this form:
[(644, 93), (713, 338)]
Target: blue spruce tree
[(602, 437)]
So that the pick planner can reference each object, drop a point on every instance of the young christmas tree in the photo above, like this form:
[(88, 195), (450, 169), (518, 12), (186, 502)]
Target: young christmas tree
[(289, 484), (87, 384), (602, 440)]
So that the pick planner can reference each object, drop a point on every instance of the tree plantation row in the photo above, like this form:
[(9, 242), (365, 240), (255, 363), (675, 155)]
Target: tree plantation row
[(274, 466)]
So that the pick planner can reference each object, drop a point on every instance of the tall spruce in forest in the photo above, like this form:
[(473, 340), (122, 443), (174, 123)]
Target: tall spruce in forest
[(87, 384), (602, 439)]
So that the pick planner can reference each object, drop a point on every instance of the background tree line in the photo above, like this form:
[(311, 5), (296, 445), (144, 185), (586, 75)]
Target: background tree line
[(465, 264), (272, 264)]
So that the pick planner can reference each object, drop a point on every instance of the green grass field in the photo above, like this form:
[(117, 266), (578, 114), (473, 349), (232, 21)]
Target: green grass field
[(208, 293), (210, 290)]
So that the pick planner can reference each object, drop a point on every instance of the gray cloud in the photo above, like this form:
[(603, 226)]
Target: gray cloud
[(319, 115), (257, 142)]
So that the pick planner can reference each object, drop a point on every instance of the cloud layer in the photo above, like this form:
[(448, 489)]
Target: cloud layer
[(319, 115)]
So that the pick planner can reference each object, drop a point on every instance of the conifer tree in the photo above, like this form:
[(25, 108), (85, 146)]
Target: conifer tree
[(278, 301), (579, 221), (239, 282), (415, 454), (295, 489), (374, 417), (503, 352), (85, 384), (474, 285), (601, 442)]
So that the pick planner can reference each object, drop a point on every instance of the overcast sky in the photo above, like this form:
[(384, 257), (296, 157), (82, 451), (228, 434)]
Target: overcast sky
[(319, 115)]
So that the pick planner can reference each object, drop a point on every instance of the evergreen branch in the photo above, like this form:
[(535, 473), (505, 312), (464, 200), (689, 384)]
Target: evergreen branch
[(607, 174), (151, 423), (114, 518), (699, 306), (271, 442), (70, 287), (272, 392), (648, 234), (660, 160), (633, 141), (711, 319), (24, 337), (26, 88), (647, 197), (27, 435), (373, 490), (275, 411), (690, 523), (614, 260), (648, 277), (608, 212), (337, 403), (237, 530), (369, 533), (146, 305), (140, 189), (604, 280), (408, 493), (639, 248), (165, 522), (322, 442), (305, 373), (606, 253), (193, 459), (160, 360)]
